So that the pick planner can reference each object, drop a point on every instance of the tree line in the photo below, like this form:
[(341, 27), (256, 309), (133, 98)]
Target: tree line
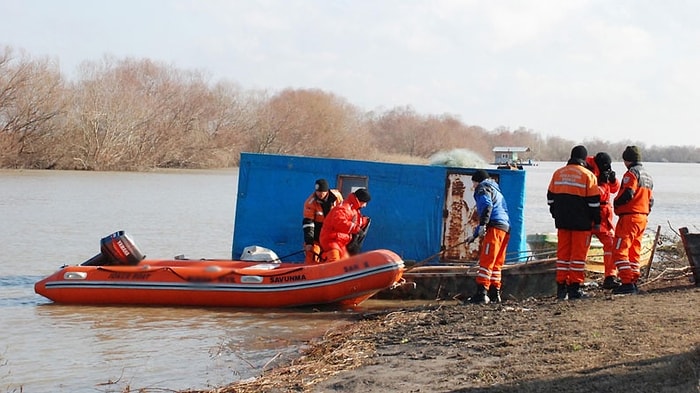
[(137, 114)]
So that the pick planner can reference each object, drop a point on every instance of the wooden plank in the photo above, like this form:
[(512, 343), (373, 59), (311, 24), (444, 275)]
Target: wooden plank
[(653, 251), (691, 243)]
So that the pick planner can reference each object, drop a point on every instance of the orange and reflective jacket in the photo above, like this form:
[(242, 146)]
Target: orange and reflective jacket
[(635, 196), (573, 197), (315, 212), (342, 222), (607, 188)]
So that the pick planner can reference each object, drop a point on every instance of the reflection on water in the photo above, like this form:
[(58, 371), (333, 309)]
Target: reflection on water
[(176, 348)]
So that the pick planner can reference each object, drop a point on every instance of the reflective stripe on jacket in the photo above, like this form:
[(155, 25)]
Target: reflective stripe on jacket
[(635, 194), (315, 212), (574, 198), (341, 223)]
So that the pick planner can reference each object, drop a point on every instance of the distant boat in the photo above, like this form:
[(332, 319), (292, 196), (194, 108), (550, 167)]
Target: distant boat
[(514, 164), (506, 157)]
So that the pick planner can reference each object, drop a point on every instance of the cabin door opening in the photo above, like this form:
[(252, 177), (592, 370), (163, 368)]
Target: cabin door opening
[(347, 184), (460, 219)]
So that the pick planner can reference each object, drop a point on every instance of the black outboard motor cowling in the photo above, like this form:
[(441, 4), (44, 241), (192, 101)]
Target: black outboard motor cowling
[(116, 249)]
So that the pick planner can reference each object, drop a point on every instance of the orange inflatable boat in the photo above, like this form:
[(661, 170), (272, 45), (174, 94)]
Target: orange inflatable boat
[(120, 275)]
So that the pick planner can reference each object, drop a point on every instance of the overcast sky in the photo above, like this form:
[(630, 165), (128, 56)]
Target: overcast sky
[(615, 70)]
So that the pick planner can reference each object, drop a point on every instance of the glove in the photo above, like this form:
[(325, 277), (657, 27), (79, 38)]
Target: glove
[(479, 231), (611, 177), (364, 221)]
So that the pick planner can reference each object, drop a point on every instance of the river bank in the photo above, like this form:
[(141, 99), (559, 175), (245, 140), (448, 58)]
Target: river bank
[(643, 343)]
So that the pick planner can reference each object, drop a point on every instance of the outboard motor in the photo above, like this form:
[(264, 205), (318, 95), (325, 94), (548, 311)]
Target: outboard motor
[(259, 254), (116, 249)]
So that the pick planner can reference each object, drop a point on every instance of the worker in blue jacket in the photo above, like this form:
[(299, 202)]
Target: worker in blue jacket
[(494, 231)]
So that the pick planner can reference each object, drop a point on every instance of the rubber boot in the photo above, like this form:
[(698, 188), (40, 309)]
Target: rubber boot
[(561, 291), (494, 294), (480, 297), (626, 289), (611, 282), (575, 292)]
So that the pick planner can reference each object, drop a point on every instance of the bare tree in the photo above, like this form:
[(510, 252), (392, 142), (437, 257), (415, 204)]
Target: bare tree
[(310, 122), (397, 131), (103, 119), (232, 120), (403, 131), (135, 114), (31, 102)]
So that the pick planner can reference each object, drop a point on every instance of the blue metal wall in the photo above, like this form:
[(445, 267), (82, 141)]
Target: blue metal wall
[(406, 207)]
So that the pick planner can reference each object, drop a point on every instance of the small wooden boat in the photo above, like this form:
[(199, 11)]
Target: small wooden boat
[(544, 245), (120, 275)]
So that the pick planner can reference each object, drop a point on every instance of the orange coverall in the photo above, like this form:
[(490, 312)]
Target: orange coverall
[(606, 233), (632, 205), (341, 223), (315, 212), (574, 202)]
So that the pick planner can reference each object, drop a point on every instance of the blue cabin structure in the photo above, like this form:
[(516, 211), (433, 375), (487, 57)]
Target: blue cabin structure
[(424, 213)]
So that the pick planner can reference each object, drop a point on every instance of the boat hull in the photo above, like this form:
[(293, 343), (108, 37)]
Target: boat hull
[(222, 283)]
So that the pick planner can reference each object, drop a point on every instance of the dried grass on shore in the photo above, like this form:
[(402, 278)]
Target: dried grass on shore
[(336, 351)]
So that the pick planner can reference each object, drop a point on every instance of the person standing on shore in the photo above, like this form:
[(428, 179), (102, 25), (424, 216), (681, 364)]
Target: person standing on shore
[(344, 221), (632, 205), (574, 203), (494, 227), (608, 185), (316, 208)]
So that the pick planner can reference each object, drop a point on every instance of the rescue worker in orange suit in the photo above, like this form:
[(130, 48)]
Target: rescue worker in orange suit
[(494, 228), (632, 205), (574, 202), (608, 185), (316, 208), (344, 221)]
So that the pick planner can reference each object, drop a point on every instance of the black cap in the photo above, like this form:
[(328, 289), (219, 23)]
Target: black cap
[(579, 152), (362, 195), (321, 185), (480, 176), (603, 161), (632, 154)]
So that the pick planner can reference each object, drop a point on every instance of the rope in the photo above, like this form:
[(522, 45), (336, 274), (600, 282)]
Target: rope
[(286, 256)]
